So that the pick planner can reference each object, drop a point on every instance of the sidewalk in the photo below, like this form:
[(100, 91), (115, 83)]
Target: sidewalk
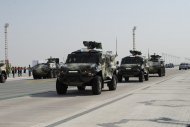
[(24, 76), (162, 104)]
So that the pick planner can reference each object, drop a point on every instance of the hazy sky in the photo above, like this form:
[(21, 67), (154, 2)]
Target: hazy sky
[(43, 28)]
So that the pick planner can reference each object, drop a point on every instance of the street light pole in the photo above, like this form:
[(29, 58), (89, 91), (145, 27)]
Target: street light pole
[(6, 45)]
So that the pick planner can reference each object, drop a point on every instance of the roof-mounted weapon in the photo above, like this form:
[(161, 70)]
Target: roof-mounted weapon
[(92, 44), (134, 52), (154, 57)]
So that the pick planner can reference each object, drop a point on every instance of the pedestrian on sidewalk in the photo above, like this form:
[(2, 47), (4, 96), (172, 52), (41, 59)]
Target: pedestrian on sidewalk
[(13, 71), (21, 71), (29, 70), (24, 70), (18, 69)]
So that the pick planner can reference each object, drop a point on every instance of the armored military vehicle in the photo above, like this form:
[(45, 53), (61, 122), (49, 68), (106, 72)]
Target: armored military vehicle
[(133, 66), (3, 74), (156, 65), (88, 67), (48, 69)]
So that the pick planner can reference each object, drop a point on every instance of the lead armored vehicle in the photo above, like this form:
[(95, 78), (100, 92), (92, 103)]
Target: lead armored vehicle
[(133, 66), (46, 70), (3, 74), (156, 65), (88, 67)]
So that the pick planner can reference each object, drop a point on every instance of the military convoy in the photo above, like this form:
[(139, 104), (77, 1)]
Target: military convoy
[(88, 67), (133, 66), (156, 65), (48, 69), (3, 74)]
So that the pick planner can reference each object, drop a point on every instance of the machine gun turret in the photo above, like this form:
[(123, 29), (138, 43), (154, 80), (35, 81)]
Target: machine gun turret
[(155, 57), (92, 44), (135, 52)]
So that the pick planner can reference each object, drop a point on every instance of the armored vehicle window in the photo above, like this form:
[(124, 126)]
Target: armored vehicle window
[(83, 58), (1, 64), (132, 60), (154, 60)]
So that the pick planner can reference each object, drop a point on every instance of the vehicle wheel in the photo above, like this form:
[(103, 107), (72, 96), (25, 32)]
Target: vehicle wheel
[(51, 74), (61, 88), (2, 78), (141, 77), (113, 83), (55, 74), (146, 77), (126, 79), (179, 68), (34, 76), (97, 85), (119, 77), (160, 73), (81, 88)]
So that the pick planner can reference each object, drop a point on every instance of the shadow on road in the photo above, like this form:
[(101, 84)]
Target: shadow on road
[(131, 81), (70, 93)]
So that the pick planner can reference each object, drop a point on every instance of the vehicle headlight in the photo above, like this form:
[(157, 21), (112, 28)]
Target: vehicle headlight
[(128, 68), (87, 72), (63, 71), (84, 70)]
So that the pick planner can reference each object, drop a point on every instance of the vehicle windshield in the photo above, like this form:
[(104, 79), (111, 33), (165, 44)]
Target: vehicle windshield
[(1, 64), (83, 58), (154, 60), (132, 60), (183, 64)]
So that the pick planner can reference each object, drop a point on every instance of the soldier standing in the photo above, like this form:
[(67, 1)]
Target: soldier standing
[(13, 71), (18, 69), (21, 71), (24, 70), (29, 71)]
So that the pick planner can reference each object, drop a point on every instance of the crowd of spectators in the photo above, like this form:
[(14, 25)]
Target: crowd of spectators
[(19, 71)]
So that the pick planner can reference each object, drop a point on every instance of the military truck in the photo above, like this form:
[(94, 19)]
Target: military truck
[(3, 74), (133, 66), (48, 69), (88, 67), (156, 65)]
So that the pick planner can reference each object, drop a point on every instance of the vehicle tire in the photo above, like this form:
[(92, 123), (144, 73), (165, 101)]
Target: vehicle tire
[(81, 88), (160, 73), (146, 77), (2, 78), (126, 79), (179, 68), (97, 85), (141, 75), (112, 85), (34, 76), (119, 77), (51, 74), (61, 88)]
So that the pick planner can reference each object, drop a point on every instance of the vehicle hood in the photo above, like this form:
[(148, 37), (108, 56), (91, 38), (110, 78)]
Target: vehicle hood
[(40, 67), (129, 65), (79, 66)]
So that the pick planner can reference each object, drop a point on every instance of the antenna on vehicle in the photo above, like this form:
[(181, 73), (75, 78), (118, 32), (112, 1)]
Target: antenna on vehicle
[(134, 28), (116, 47), (148, 54)]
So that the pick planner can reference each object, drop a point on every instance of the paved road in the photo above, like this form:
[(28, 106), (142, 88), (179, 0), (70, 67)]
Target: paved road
[(158, 102)]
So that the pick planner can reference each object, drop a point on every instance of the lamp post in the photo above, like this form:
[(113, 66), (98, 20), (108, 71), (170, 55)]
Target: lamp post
[(6, 45)]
